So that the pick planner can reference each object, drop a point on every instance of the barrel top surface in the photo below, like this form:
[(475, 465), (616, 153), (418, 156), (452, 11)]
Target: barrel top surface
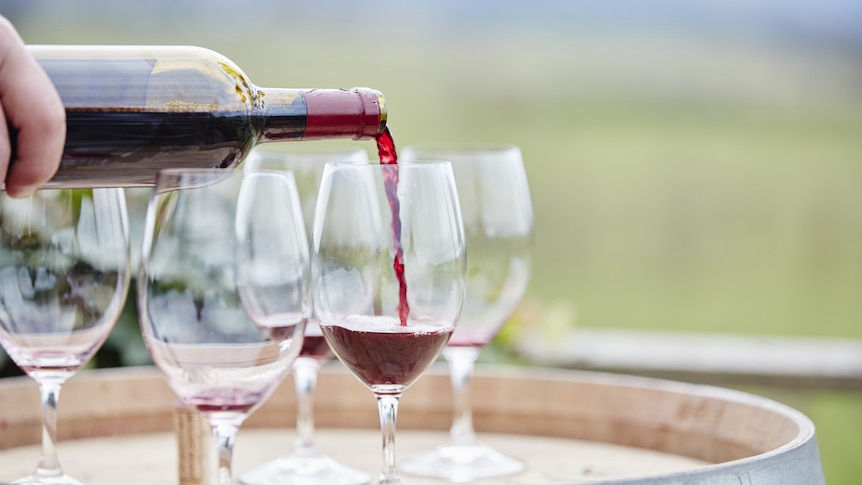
[(152, 458), (567, 425)]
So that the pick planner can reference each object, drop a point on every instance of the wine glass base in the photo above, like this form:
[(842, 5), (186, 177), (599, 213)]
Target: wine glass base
[(310, 470), (46, 480), (462, 463)]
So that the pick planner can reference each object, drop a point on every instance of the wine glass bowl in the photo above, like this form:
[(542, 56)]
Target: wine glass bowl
[(387, 275), (64, 277), (383, 354), (498, 225), (305, 464), (223, 291), (305, 161)]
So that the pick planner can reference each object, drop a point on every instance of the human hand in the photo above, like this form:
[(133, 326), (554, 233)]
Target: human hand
[(33, 121)]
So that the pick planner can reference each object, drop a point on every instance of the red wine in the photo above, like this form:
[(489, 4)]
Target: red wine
[(315, 347), (128, 146), (381, 351), (228, 400), (386, 148), (388, 156), (479, 339)]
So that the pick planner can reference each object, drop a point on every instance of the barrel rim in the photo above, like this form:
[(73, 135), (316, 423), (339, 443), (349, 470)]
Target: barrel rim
[(804, 441)]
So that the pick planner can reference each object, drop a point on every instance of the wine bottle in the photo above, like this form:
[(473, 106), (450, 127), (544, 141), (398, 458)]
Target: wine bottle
[(132, 110)]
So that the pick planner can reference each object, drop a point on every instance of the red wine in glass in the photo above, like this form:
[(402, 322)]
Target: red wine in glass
[(382, 352), (231, 400), (314, 345), (359, 301), (498, 222), (305, 464)]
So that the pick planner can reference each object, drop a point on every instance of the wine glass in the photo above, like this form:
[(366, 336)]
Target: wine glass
[(64, 276), (305, 465), (498, 222), (387, 276), (223, 291)]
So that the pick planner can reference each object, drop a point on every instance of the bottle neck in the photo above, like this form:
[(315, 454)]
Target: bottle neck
[(316, 114)]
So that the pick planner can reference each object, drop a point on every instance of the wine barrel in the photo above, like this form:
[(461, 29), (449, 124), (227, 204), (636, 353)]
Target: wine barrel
[(578, 427)]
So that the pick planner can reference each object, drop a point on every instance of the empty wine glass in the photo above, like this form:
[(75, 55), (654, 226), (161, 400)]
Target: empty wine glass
[(305, 465), (498, 223), (223, 291), (64, 276), (387, 276)]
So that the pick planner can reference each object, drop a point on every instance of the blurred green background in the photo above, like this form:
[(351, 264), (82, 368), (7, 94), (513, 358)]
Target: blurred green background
[(694, 165)]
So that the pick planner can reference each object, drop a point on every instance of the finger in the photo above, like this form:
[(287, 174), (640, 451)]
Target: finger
[(34, 110), (5, 146)]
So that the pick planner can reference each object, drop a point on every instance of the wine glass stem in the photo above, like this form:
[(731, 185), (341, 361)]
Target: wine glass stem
[(49, 465), (225, 436), (387, 404), (305, 380), (461, 362)]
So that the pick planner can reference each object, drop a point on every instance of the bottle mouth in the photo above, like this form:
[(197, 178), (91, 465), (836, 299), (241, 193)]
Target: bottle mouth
[(381, 102), (358, 113)]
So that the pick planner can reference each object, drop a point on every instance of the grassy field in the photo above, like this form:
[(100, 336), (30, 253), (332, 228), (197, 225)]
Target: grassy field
[(686, 185)]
